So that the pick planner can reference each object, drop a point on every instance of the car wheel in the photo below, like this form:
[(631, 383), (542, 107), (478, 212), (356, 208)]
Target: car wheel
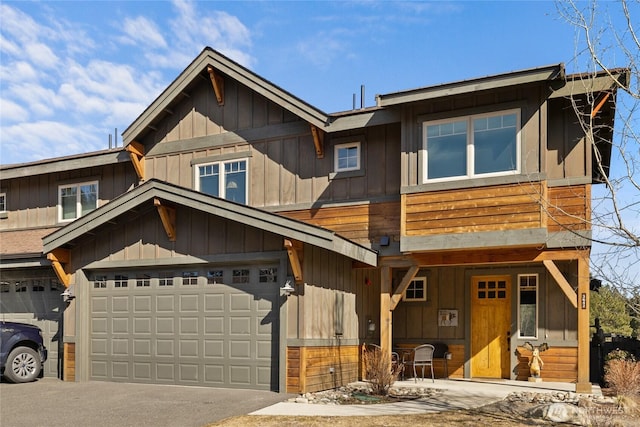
[(23, 365)]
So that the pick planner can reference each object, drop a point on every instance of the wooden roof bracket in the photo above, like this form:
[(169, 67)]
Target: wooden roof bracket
[(218, 84), (552, 268), (58, 257), (295, 252), (168, 218), (600, 103), (318, 140), (404, 284), (136, 152)]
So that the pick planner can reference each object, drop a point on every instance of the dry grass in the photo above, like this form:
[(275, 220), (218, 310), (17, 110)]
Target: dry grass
[(623, 376), (379, 371)]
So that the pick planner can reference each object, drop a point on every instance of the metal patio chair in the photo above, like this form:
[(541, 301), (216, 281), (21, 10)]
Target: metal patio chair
[(422, 356)]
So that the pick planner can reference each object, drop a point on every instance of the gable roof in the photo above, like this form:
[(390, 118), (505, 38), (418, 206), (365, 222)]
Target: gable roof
[(224, 65), (242, 214)]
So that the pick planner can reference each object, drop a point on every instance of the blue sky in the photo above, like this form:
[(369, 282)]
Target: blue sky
[(71, 72)]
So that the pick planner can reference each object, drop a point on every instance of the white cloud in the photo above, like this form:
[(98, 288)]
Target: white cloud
[(141, 29), (40, 100), (18, 71), (12, 112), (41, 54), (45, 139)]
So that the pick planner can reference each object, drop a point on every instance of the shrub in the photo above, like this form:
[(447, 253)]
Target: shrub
[(618, 354), (379, 371), (623, 376)]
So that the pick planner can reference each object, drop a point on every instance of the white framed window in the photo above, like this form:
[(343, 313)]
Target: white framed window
[(100, 282), (227, 180), (471, 146), (528, 305), (189, 278), (76, 200), (417, 290), (347, 157), (3, 202)]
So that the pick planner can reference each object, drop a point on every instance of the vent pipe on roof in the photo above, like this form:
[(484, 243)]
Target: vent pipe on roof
[(354, 102), (115, 136), (361, 96), (109, 141)]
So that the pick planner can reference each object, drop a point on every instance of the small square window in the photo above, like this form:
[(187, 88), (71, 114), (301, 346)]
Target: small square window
[(347, 157), (3, 202), (417, 290)]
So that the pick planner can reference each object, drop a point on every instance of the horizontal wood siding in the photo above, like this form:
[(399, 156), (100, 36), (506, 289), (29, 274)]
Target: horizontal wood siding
[(496, 208), (362, 223), (560, 364), (69, 361), (569, 208), (310, 367)]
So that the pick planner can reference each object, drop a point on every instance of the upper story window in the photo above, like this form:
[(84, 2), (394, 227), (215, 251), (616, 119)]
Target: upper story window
[(76, 200), (3, 202), (223, 179), (472, 146), (347, 157)]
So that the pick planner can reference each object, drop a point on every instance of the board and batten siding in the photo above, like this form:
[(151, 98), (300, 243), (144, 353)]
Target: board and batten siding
[(32, 201), (284, 167), (140, 236)]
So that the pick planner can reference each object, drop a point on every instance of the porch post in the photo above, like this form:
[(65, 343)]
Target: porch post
[(583, 385), (385, 310)]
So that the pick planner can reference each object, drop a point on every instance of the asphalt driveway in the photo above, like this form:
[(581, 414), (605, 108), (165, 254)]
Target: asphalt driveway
[(51, 402)]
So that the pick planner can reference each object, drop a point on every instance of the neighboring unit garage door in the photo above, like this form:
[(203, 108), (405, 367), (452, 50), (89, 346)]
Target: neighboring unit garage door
[(36, 301), (216, 327)]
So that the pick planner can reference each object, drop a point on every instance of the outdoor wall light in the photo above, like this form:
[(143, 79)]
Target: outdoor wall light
[(287, 289)]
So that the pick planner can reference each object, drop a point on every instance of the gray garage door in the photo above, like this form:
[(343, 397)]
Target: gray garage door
[(34, 297), (216, 327)]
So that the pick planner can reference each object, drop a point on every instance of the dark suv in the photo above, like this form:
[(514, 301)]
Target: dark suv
[(22, 351)]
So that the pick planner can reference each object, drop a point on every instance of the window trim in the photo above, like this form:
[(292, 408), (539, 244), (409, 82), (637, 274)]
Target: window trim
[(537, 318), (336, 149), (470, 146), (77, 185), (422, 279), (222, 181)]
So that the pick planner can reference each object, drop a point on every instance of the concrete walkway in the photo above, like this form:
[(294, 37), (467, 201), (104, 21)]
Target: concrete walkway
[(457, 394)]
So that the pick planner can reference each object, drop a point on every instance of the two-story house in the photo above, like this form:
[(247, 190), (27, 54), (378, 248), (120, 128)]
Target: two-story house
[(263, 241)]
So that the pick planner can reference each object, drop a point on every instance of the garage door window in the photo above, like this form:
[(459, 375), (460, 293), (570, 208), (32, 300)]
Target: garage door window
[(268, 275), (215, 276), (143, 280), (21, 286), (37, 286), (121, 281), (190, 278), (240, 276), (100, 282), (165, 279)]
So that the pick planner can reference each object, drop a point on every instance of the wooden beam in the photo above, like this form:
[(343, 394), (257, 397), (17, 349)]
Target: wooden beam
[(294, 251), (385, 311), (218, 84), (561, 281), (600, 103), (318, 141), (136, 152), (583, 385), (168, 218), (404, 284), (495, 256), (58, 257)]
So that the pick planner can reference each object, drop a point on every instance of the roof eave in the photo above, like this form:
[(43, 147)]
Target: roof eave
[(551, 72)]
